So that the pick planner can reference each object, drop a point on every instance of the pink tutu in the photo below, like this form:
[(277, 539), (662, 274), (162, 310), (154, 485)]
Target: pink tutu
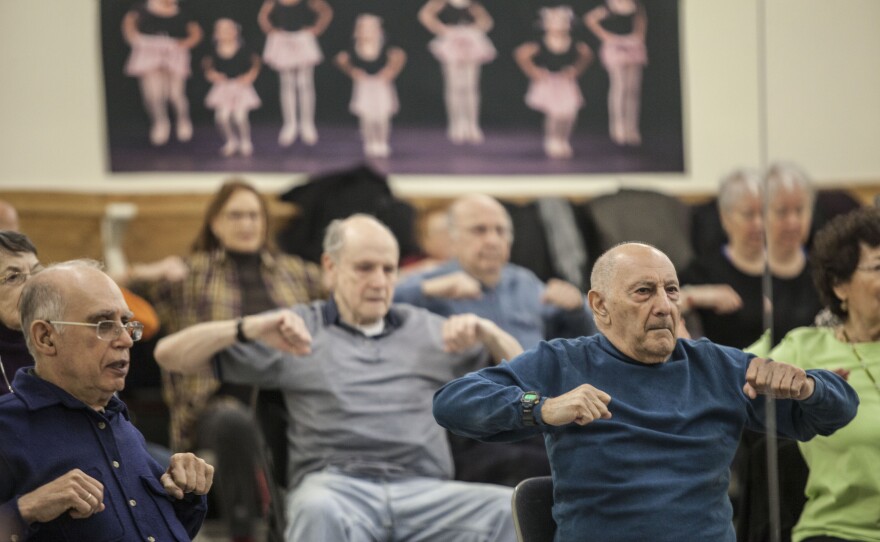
[(556, 95), (289, 50), (232, 95), (152, 53), (623, 51), (373, 97), (463, 44)]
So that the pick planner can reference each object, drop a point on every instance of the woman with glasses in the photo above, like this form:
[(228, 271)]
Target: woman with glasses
[(234, 271), (725, 288), (843, 485), (18, 261)]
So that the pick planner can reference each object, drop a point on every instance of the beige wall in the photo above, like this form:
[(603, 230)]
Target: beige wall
[(822, 90)]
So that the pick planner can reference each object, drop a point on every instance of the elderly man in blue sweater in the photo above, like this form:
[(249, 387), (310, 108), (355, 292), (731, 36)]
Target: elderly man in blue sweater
[(640, 426)]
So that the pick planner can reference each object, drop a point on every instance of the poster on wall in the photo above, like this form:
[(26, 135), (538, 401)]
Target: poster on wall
[(470, 87)]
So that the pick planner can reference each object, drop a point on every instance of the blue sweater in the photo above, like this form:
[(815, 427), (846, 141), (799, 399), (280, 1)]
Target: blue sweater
[(514, 304), (658, 469)]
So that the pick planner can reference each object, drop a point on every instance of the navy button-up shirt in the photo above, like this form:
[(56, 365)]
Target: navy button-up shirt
[(46, 432)]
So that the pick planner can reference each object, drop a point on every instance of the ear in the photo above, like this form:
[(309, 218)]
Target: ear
[(599, 307), (842, 291), (330, 268), (42, 337)]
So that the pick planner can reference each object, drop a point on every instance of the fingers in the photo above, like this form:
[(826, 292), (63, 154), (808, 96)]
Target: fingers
[(460, 332), (581, 405), (777, 380), (187, 474), (562, 294)]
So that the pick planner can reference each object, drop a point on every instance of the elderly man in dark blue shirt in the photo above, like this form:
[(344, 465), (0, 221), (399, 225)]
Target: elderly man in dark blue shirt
[(72, 466)]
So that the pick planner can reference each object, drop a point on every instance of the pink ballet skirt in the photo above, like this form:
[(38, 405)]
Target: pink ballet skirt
[(151, 53), (373, 97), (288, 50), (463, 45), (233, 95), (623, 51), (556, 95)]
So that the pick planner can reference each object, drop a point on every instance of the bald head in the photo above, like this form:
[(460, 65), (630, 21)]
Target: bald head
[(47, 294), (8, 217), (482, 234), (634, 298), (360, 264)]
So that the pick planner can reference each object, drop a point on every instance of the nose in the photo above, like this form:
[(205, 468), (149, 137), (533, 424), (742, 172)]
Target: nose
[(664, 304)]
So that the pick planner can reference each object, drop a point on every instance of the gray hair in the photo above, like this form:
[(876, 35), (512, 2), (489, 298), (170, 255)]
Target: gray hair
[(43, 299), (737, 184), (788, 176), (334, 237)]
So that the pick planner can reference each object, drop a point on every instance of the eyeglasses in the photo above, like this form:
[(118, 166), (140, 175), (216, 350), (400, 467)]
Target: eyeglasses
[(17, 278), (870, 268), (108, 330)]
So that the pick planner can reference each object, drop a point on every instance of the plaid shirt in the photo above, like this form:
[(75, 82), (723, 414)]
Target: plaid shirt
[(211, 292)]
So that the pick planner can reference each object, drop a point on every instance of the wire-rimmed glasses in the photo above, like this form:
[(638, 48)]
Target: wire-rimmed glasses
[(108, 330), (16, 278)]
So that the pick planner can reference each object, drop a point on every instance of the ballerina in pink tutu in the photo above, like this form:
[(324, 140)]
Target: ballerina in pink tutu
[(292, 28), (462, 47), (621, 26), (553, 66), (232, 69), (373, 65), (161, 36)]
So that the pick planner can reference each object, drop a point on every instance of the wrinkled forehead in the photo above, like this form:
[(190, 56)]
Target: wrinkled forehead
[(645, 266)]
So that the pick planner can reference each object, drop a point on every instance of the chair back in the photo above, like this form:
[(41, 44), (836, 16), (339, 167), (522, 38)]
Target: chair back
[(533, 510)]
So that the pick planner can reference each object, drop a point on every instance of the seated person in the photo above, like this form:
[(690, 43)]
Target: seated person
[(481, 280), (640, 426), (18, 262), (72, 466), (367, 462), (726, 287)]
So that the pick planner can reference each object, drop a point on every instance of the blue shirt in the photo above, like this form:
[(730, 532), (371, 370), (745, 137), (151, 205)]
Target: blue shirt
[(514, 304), (658, 469), (45, 432)]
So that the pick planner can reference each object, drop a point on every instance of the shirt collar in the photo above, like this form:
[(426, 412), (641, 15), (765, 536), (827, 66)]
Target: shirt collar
[(37, 394), (393, 319)]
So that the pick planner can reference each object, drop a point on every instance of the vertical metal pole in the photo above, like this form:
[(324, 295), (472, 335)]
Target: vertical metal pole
[(767, 279)]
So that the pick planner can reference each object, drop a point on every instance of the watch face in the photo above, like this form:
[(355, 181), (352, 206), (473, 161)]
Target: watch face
[(530, 397)]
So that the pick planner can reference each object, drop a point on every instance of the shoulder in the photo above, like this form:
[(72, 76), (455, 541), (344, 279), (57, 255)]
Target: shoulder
[(705, 351), (412, 315)]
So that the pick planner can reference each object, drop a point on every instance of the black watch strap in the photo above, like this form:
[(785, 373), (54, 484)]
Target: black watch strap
[(528, 402), (239, 331)]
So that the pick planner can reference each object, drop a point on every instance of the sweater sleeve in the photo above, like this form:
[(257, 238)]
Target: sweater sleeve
[(485, 405), (833, 405)]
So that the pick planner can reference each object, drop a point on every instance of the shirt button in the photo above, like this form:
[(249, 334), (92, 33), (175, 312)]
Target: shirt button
[(101, 425), (116, 464), (151, 539), (132, 502)]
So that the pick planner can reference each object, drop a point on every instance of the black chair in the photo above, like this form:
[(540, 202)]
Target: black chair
[(533, 510)]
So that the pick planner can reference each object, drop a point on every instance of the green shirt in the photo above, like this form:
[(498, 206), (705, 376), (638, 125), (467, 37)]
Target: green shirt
[(843, 488)]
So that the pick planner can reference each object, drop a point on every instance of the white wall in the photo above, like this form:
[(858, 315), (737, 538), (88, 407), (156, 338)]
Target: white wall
[(822, 94)]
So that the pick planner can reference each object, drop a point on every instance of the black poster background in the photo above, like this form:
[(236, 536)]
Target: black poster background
[(513, 131)]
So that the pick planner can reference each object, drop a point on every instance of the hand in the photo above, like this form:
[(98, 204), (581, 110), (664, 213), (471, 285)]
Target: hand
[(187, 474), (581, 405), (281, 329), (721, 298), (778, 380), (462, 331), (562, 294), (76, 492), (170, 268), (457, 285)]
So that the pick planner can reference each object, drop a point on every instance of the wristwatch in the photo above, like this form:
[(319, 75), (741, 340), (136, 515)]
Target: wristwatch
[(239, 332), (529, 401)]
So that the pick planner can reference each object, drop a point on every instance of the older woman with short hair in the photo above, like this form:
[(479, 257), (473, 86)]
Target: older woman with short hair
[(725, 288), (843, 487)]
